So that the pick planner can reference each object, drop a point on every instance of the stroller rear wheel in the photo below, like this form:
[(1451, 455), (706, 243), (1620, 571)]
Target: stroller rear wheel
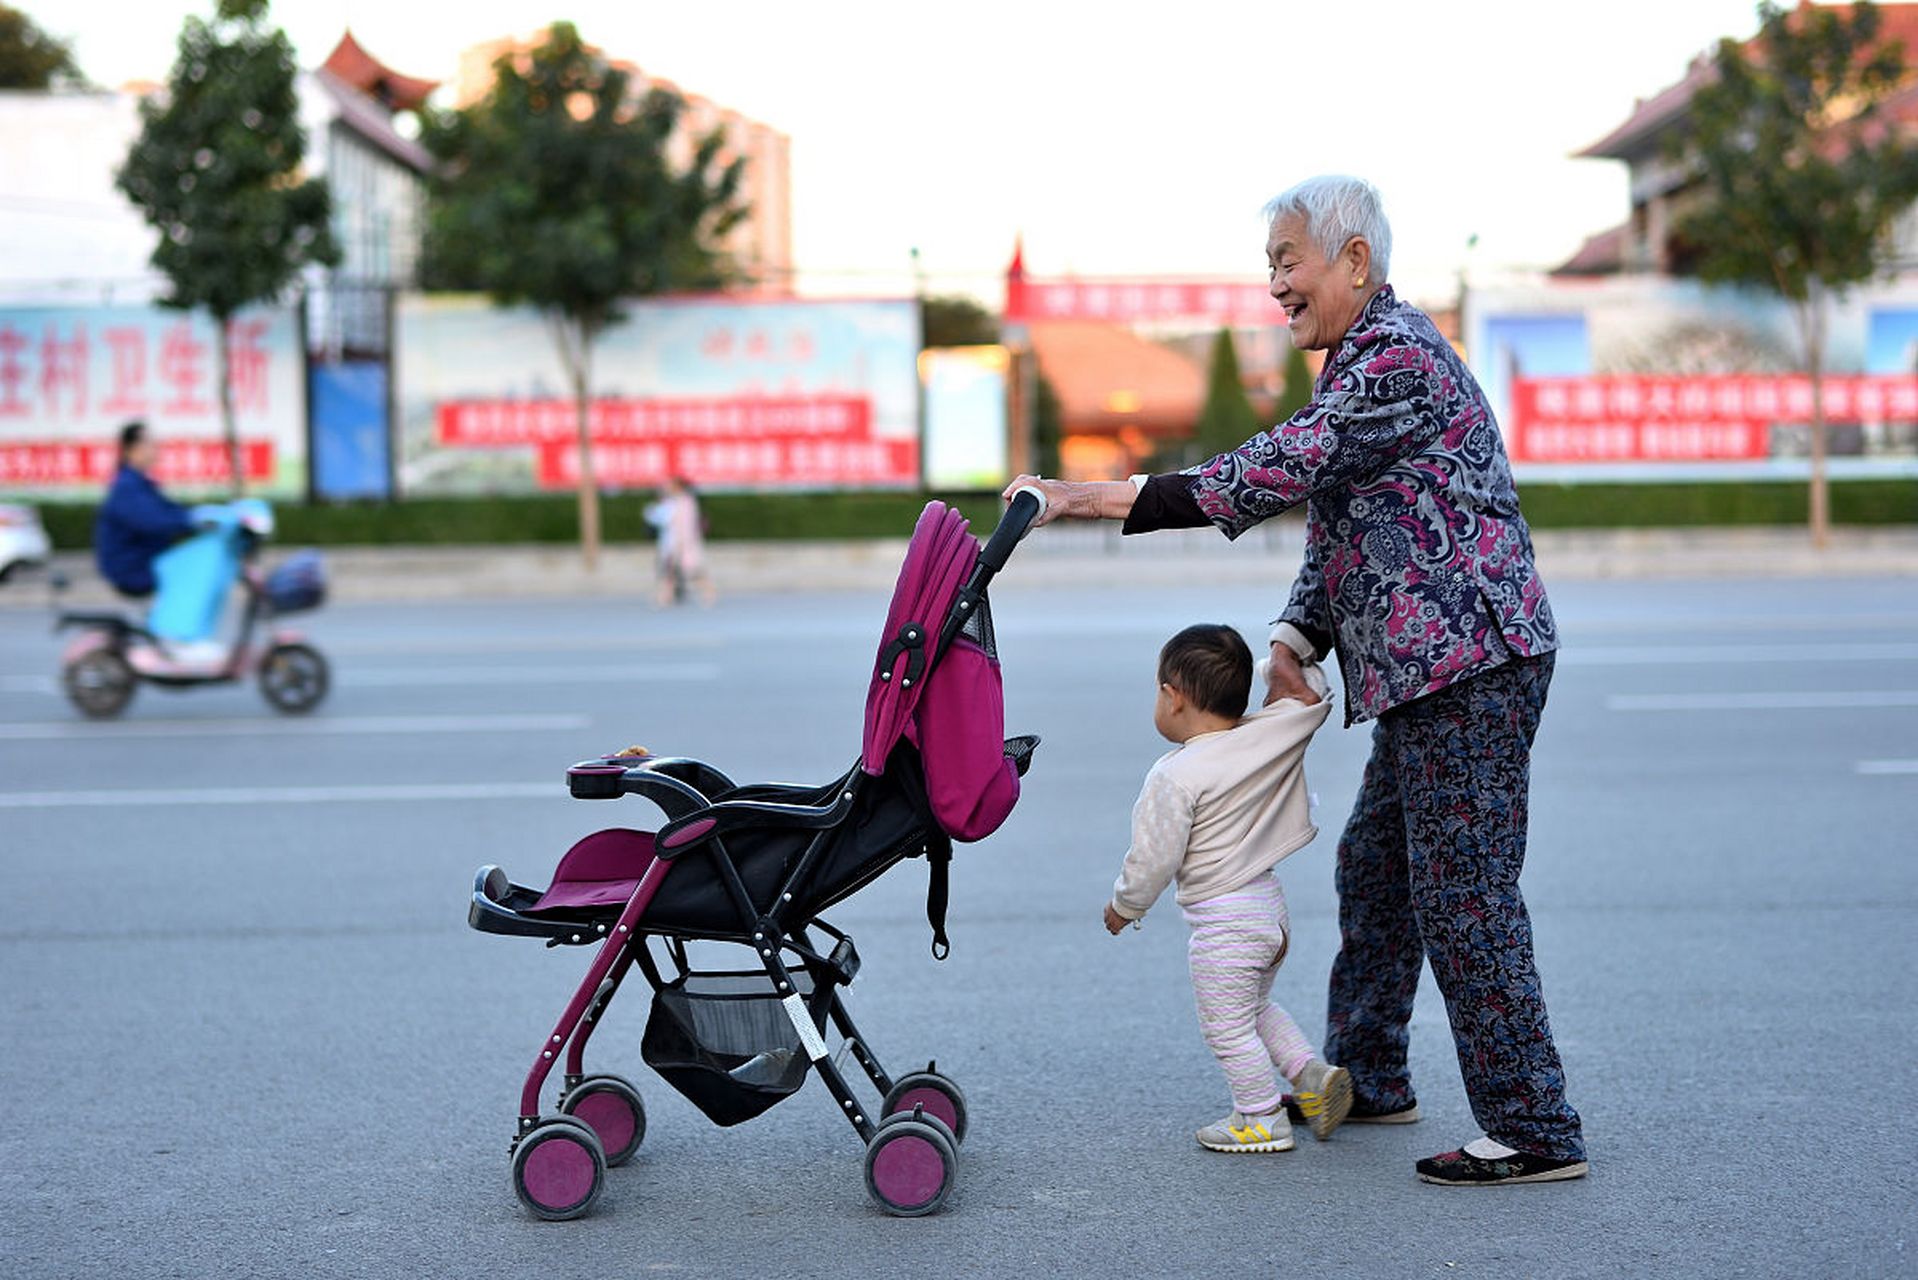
[(936, 1093), (613, 1108), (911, 1166), (559, 1169)]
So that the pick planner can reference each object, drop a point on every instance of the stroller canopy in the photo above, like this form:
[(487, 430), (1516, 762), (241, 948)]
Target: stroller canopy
[(950, 705)]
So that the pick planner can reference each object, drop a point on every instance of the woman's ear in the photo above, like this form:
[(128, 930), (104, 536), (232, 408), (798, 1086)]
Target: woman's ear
[(1357, 255)]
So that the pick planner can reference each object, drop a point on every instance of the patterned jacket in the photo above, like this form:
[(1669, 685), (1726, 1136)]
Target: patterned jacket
[(1418, 565)]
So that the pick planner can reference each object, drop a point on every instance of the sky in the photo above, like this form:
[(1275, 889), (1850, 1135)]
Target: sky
[(1115, 139)]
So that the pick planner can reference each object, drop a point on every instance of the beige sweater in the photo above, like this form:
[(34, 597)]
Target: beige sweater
[(1223, 808)]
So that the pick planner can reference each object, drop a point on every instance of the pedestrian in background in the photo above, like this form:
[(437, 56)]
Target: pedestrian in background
[(1419, 574), (681, 532)]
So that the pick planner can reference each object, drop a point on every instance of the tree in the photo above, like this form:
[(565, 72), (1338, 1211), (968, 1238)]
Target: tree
[(956, 321), (29, 57), (1228, 419), (1048, 419), (217, 170), (1297, 391), (1798, 176), (558, 191)]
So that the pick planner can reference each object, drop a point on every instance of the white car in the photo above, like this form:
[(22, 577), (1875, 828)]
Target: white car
[(23, 539)]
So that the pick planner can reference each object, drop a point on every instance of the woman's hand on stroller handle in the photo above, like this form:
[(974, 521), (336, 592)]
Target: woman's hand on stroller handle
[(1075, 499)]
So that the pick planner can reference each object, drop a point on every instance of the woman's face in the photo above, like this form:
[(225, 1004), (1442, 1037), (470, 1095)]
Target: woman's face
[(1321, 296)]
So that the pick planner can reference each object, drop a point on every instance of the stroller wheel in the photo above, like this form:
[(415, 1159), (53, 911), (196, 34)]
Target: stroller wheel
[(100, 684), (613, 1108), (559, 1169), (910, 1167), (936, 1093), (293, 677)]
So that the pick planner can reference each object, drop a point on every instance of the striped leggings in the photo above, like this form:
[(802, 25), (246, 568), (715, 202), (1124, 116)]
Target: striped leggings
[(1238, 940)]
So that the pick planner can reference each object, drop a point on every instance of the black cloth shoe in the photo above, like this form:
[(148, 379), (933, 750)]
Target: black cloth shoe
[(1359, 1114), (1463, 1169)]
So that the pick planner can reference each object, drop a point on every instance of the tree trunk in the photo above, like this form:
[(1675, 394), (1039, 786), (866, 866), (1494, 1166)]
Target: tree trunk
[(1811, 325), (222, 375), (575, 341)]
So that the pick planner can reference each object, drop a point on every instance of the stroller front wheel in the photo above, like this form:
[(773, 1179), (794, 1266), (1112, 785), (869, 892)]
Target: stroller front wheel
[(612, 1106), (911, 1167), (936, 1093), (559, 1169)]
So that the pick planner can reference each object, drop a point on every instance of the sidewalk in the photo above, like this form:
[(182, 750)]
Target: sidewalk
[(1053, 557)]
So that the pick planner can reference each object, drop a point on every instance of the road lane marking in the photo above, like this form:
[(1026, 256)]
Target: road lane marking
[(1866, 699), (436, 646), (429, 677), (1713, 655), (1887, 766), (280, 795), (405, 677), (90, 731)]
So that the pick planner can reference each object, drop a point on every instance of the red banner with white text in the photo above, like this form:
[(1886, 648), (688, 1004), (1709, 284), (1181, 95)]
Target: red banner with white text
[(1670, 418), (795, 441)]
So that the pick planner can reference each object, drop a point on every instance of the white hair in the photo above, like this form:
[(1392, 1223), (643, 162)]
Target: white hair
[(1336, 208)]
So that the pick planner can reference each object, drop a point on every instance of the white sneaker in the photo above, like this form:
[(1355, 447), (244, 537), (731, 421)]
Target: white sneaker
[(1243, 1133)]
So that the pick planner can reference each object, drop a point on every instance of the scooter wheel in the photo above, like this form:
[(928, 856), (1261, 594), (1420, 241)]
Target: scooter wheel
[(100, 683), (294, 677)]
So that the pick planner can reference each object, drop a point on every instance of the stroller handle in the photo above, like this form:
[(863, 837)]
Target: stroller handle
[(1028, 504)]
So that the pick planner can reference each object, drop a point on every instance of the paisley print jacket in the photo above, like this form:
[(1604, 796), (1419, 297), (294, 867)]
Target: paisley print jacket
[(1418, 565)]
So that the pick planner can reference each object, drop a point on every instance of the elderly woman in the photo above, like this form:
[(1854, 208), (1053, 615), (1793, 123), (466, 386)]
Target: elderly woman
[(1418, 573)]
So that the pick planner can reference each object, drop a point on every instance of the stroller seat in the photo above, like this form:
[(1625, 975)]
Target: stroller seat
[(597, 876)]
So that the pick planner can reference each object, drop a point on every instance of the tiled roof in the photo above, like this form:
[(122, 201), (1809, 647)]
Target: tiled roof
[(1601, 255), (1899, 23), (356, 67), (1109, 379)]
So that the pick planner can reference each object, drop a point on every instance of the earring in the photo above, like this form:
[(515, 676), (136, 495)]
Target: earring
[(1359, 283)]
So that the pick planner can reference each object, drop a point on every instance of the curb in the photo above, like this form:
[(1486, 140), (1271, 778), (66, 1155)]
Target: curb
[(1054, 557)]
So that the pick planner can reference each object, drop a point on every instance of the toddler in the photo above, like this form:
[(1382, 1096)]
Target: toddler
[(1218, 812)]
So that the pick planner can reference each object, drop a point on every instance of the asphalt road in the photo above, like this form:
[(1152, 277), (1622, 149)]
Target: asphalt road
[(244, 1029)]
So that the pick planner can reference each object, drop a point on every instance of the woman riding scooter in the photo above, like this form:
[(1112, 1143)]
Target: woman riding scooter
[(136, 522)]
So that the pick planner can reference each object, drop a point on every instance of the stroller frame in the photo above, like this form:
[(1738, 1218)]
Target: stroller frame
[(912, 1143)]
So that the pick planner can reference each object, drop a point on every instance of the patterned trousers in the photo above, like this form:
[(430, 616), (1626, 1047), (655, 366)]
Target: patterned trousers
[(1238, 941), (1428, 867)]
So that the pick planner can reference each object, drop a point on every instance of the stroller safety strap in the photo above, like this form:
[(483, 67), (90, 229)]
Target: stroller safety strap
[(938, 890)]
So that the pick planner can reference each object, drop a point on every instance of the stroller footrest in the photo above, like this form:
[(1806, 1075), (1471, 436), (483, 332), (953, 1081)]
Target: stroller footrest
[(499, 906)]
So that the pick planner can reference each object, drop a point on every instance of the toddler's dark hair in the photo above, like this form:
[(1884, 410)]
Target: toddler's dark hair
[(1211, 665)]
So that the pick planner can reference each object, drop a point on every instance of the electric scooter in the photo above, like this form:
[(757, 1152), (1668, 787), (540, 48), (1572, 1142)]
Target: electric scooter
[(103, 666)]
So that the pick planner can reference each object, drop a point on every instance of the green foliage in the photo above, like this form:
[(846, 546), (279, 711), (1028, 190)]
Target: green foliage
[(558, 190), (548, 518), (1228, 419), (1048, 426), (956, 321), (217, 167), (1800, 177), (29, 57), (1297, 391)]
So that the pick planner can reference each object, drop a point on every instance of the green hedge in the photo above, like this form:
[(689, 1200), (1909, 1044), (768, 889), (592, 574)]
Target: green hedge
[(553, 518)]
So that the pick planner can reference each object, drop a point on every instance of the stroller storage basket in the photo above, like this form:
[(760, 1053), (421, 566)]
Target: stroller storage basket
[(725, 1042)]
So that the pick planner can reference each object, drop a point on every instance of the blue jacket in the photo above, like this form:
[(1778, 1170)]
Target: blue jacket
[(136, 523)]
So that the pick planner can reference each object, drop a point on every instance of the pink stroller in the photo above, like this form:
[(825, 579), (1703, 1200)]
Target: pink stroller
[(755, 865)]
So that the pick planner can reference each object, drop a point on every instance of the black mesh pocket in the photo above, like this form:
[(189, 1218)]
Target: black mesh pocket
[(725, 1042)]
